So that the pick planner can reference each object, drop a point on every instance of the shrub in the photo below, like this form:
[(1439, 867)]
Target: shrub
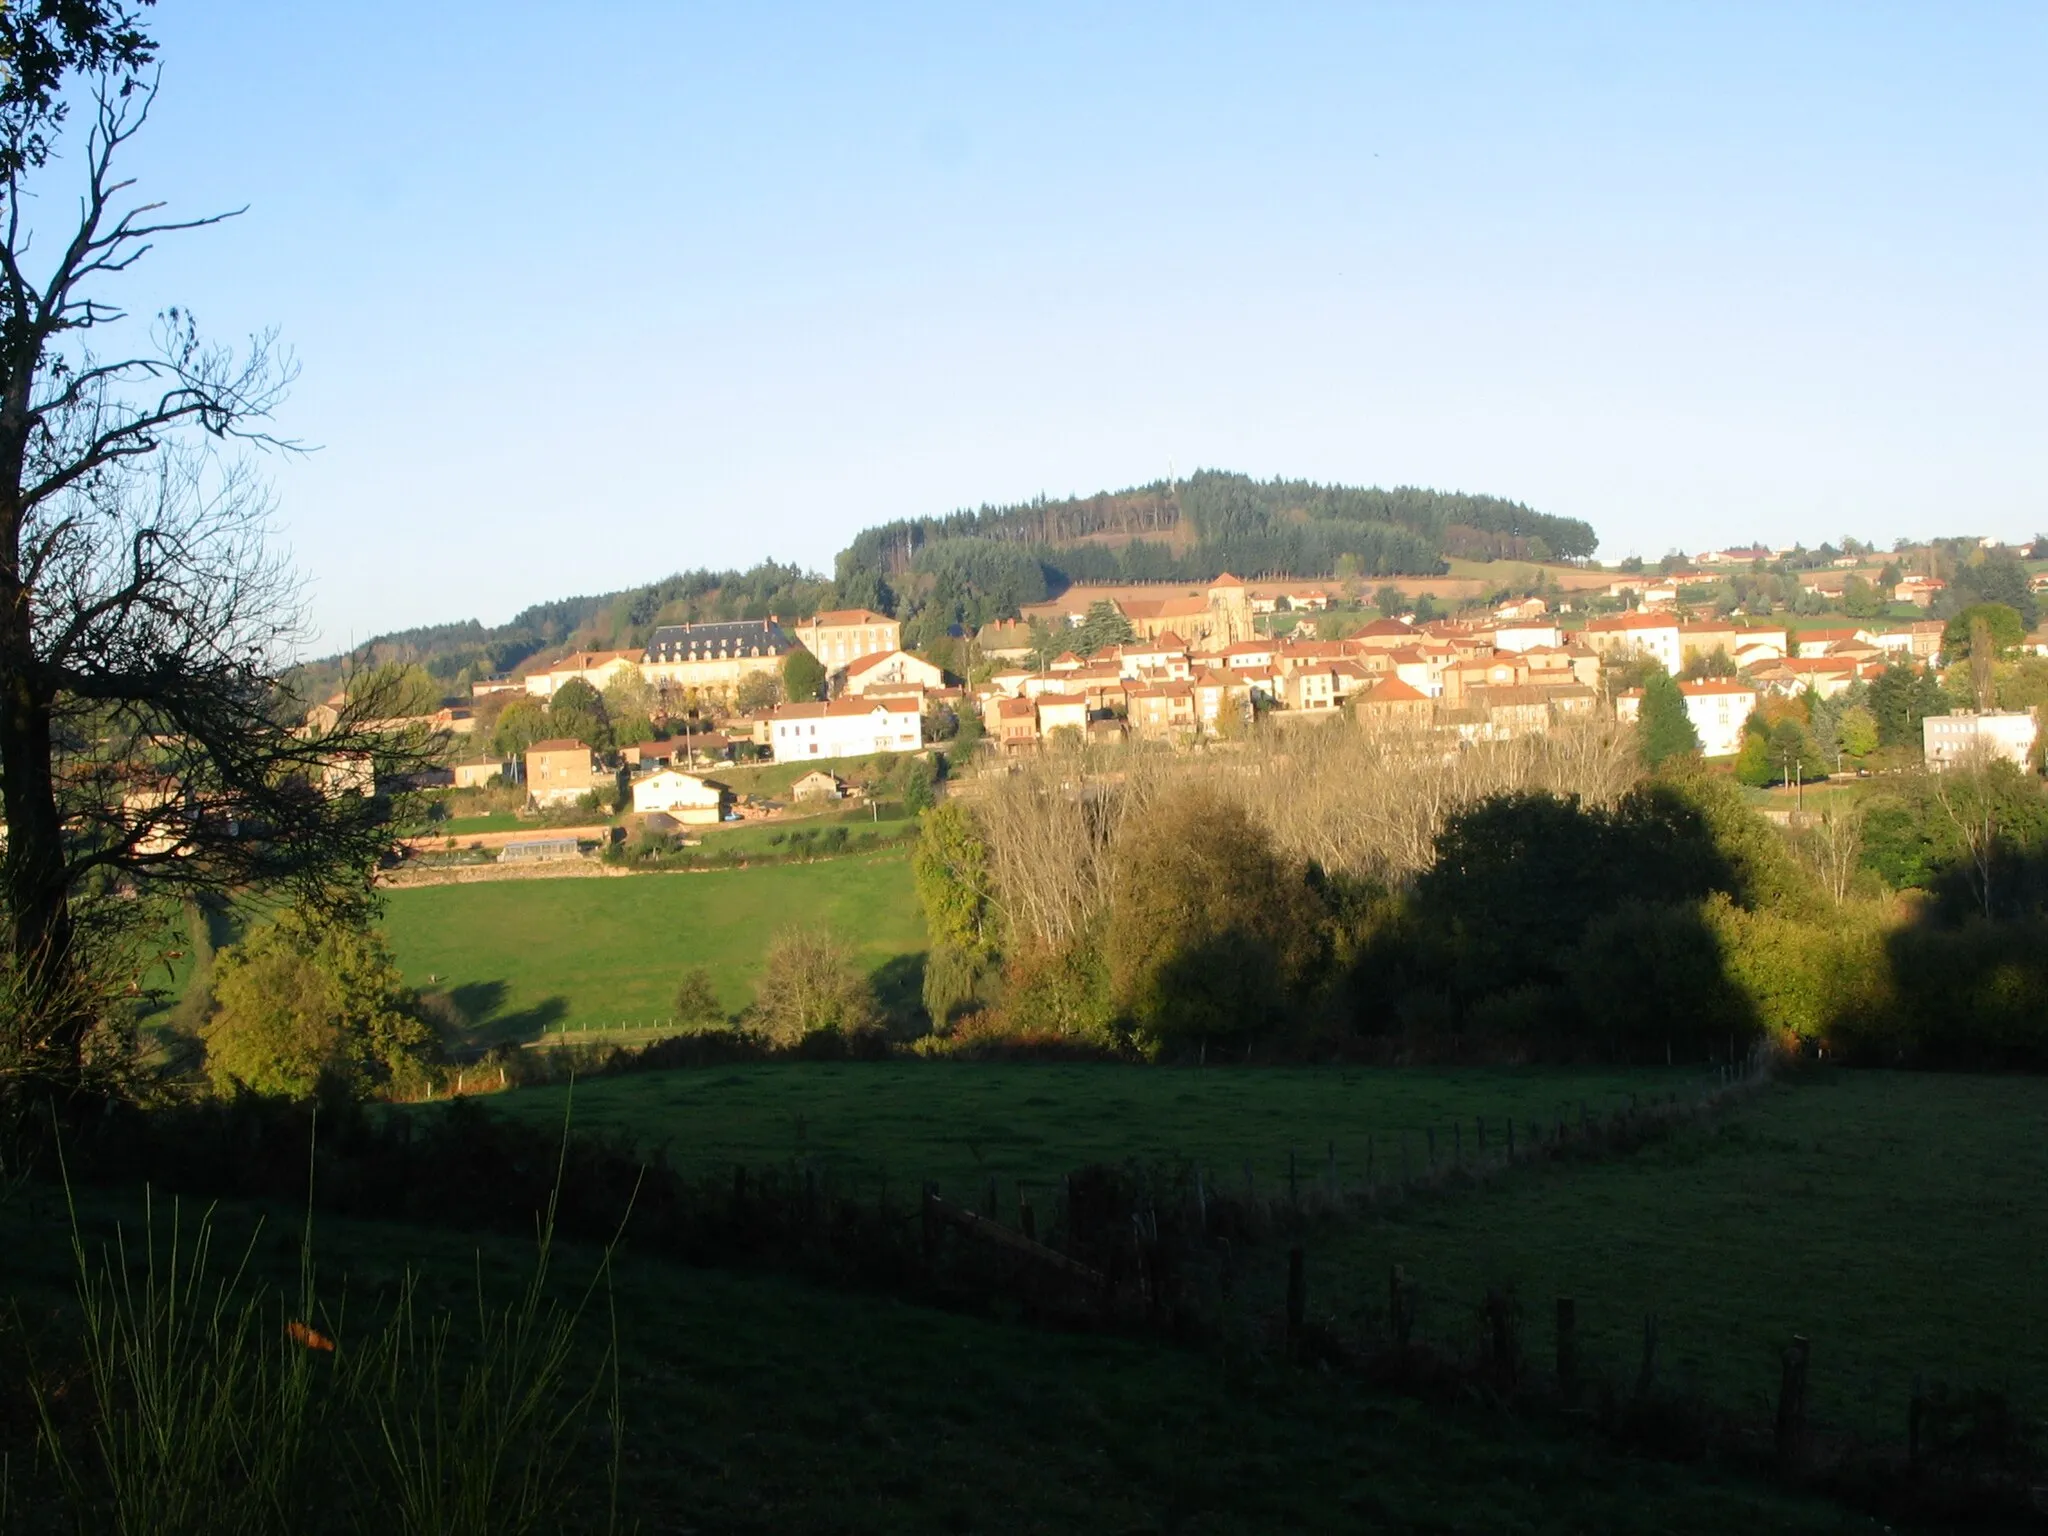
[(1648, 978), (1061, 993), (1210, 933), (697, 998), (950, 979), (299, 1002), (812, 988)]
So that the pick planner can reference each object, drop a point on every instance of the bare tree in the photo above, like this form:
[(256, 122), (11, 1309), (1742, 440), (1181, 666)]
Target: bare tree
[(145, 740), (1834, 847), (1964, 790)]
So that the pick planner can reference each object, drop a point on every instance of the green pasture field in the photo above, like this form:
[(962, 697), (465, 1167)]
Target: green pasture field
[(465, 826), (522, 955), (885, 818), (757, 1404), (1895, 1219), (770, 781), (963, 1123)]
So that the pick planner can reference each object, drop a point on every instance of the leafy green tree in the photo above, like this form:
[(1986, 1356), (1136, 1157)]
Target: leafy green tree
[(919, 781), (629, 696), (577, 712), (522, 722), (1860, 600), (1104, 626), (758, 691), (1211, 933), (803, 676), (1856, 731), (968, 735), (1995, 577), (1631, 963), (1390, 600), (300, 1001), (697, 998), (1900, 698), (1792, 746), (865, 587), (1664, 730), (2002, 628), (810, 988), (1754, 765), (1048, 643), (954, 886), (1714, 663)]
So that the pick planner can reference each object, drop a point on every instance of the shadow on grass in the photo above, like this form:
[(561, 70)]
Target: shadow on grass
[(899, 992)]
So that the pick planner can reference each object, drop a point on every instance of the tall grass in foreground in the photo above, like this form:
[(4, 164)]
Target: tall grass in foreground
[(202, 1399)]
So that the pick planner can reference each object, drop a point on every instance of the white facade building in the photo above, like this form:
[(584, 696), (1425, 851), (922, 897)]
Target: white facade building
[(1718, 710), (1526, 635), (849, 727), (1950, 739)]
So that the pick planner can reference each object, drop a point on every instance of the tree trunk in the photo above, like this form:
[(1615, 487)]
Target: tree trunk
[(32, 874)]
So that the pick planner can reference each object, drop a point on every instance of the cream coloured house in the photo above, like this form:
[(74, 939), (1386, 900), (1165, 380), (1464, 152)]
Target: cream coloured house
[(597, 668), (689, 799), (891, 669), (561, 771), (842, 635)]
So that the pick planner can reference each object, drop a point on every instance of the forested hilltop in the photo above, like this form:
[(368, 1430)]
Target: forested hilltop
[(1193, 529), (936, 573)]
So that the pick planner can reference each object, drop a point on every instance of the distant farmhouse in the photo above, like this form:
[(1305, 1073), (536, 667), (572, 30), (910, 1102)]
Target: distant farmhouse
[(560, 771)]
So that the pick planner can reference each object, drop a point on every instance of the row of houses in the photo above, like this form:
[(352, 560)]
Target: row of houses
[(1166, 688), (1675, 642)]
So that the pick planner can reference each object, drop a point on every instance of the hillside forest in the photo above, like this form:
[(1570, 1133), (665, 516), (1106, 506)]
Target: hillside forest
[(941, 574)]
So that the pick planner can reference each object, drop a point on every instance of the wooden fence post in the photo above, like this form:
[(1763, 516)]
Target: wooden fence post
[(1297, 1298), (1567, 1345), (1792, 1406), (1500, 1317)]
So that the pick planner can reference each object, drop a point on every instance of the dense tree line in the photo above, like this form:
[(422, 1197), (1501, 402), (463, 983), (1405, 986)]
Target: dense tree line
[(458, 654), (1669, 922), (1277, 527)]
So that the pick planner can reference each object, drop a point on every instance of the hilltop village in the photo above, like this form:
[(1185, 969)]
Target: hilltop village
[(1190, 664)]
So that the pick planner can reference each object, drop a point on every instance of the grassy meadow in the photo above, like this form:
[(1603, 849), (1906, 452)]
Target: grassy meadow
[(753, 1403), (1894, 1219), (519, 956), (963, 1123)]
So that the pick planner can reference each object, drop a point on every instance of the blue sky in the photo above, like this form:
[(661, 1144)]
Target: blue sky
[(584, 295)]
